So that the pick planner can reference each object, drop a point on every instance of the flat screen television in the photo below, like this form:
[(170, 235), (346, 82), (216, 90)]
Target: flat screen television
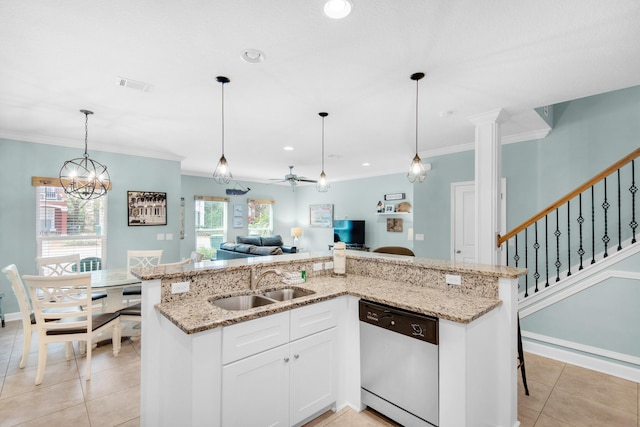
[(349, 231)]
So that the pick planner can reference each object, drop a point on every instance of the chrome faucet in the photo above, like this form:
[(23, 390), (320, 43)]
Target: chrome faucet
[(255, 278)]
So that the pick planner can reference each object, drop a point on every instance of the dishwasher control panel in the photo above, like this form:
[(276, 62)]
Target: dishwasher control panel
[(414, 325)]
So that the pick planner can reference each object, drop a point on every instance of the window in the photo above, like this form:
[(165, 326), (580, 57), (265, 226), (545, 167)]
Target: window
[(211, 224), (67, 225), (260, 217)]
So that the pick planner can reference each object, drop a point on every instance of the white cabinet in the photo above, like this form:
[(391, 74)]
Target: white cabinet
[(312, 375), (280, 384), (255, 390)]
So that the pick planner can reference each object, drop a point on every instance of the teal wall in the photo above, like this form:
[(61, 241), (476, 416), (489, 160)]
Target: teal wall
[(356, 199), (19, 161), (284, 209)]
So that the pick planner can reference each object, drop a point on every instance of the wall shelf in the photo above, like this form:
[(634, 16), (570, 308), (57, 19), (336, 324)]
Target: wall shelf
[(393, 213)]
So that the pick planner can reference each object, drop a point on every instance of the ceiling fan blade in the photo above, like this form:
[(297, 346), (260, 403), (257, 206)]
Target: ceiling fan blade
[(306, 180)]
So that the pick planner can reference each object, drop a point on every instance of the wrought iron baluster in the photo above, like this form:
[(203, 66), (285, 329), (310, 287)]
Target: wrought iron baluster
[(568, 238), (557, 233), (526, 259), (536, 246), (633, 189), (619, 219), (593, 227), (516, 258), (605, 206), (546, 248), (580, 222)]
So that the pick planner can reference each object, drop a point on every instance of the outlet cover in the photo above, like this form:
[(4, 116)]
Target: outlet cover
[(328, 265), (160, 236), (179, 287), (317, 266), (168, 236), (453, 279)]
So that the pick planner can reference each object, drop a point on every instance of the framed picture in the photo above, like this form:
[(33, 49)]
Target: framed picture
[(146, 208), (388, 208), (321, 216), (237, 210), (394, 225), (237, 222), (394, 196), (181, 218)]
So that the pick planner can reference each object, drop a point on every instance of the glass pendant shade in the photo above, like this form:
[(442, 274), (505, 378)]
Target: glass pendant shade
[(417, 172), (322, 185), (83, 177), (222, 173)]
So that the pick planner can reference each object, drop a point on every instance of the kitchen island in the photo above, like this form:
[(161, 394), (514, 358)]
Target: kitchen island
[(186, 346)]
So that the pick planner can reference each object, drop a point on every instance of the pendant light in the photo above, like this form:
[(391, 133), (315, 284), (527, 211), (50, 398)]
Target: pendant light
[(417, 172), (83, 177), (222, 174), (322, 185)]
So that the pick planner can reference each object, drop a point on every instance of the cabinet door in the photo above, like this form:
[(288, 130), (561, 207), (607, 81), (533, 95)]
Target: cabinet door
[(313, 374), (256, 390)]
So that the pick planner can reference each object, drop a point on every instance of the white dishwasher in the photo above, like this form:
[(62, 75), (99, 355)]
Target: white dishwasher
[(399, 363)]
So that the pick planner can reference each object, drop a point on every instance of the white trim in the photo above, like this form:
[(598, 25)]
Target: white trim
[(585, 361), (526, 136), (583, 348), (591, 275), (567, 291), (10, 317)]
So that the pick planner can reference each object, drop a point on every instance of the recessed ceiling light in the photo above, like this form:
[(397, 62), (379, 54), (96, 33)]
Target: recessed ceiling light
[(337, 9), (252, 56), (366, 164), (287, 148)]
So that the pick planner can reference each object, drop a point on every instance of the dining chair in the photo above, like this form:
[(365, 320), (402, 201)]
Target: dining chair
[(196, 256), (140, 259), (395, 250), (26, 310), (65, 264), (51, 296)]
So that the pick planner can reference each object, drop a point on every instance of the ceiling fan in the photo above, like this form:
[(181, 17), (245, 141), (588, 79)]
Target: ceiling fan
[(293, 179)]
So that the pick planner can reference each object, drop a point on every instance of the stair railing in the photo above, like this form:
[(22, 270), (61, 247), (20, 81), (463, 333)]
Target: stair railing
[(607, 212)]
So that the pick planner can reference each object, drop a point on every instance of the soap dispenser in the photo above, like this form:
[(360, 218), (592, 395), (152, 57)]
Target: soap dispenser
[(339, 259)]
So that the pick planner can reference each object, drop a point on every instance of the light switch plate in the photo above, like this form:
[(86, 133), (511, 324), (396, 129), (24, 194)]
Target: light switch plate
[(179, 287), (160, 236), (317, 266), (420, 236), (168, 236), (328, 265)]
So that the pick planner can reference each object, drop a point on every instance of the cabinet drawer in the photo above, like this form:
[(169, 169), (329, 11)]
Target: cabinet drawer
[(313, 318), (253, 336)]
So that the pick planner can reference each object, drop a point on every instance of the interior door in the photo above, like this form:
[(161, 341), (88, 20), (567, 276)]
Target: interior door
[(463, 211)]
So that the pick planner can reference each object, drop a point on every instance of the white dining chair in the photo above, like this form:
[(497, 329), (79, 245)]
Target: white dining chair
[(140, 259), (51, 296), (65, 264), (26, 309), (58, 265)]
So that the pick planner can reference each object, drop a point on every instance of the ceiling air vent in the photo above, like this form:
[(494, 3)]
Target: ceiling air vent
[(134, 84)]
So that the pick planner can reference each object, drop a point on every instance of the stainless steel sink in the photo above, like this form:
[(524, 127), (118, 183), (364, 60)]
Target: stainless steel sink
[(242, 302), (287, 294)]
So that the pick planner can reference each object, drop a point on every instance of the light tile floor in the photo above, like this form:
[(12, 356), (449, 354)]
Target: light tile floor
[(560, 394)]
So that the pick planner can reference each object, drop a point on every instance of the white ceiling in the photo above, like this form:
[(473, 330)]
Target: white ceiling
[(57, 57)]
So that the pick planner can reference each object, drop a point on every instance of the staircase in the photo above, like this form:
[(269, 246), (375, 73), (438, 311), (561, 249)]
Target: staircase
[(581, 250)]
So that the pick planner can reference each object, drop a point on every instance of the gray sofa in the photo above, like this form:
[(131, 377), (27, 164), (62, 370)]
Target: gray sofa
[(251, 246)]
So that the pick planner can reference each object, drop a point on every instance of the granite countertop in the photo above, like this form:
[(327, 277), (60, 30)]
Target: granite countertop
[(196, 315)]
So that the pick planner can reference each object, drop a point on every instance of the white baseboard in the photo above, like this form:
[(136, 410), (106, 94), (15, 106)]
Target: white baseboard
[(584, 361), (8, 317)]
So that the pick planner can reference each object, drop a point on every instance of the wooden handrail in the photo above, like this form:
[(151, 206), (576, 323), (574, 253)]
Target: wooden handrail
[(608, 171)]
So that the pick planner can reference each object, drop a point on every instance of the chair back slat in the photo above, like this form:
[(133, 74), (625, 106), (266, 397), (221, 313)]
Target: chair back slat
[(143, 258), (58, 265)]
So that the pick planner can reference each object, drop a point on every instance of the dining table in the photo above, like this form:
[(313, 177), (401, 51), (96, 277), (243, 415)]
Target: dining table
[(113, 282)]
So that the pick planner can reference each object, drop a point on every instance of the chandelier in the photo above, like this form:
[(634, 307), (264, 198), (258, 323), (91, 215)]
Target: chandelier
[(83, 177)]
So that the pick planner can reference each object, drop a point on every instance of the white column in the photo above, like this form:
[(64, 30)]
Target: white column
[(487, 176)]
